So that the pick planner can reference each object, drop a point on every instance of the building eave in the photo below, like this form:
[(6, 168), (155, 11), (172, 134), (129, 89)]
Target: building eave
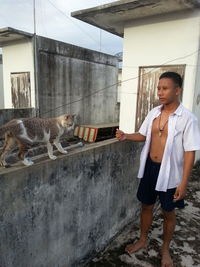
[(113, 17), (8, 35)]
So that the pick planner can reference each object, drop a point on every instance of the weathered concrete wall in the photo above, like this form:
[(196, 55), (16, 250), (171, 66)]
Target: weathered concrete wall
[(57, 213), (1, 84), (9, 114), (70, 74)]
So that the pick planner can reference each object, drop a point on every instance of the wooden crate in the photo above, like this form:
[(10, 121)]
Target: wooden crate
[(93, 133)]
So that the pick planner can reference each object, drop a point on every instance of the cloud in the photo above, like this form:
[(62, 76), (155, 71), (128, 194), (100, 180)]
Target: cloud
[(54, 21)]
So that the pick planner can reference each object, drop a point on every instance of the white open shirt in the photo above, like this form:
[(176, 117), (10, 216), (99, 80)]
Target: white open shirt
[(183, 135)]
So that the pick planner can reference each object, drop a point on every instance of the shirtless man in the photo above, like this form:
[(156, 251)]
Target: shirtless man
[(171, 136)]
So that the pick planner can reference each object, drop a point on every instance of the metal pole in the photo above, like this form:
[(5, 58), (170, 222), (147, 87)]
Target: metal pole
[(100, 36), (35, 61), (34, 20), (100, 40)]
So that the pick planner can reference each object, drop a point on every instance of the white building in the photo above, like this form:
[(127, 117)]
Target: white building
[(159, 35), (18, 69), (1, 83)]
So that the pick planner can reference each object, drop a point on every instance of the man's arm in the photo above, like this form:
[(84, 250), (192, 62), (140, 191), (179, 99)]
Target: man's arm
[(189, 157), (137, 137)]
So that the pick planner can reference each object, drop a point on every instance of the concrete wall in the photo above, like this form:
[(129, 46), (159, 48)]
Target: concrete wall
[(1, 84), (18, 57), (70, 74), (157, 41), (9, 114), (57, 213)]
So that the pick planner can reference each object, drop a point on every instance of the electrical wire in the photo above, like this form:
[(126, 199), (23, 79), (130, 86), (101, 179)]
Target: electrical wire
[(120, 82), (78, 26), (43, 16)]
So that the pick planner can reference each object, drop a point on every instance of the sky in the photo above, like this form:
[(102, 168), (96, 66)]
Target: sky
[(53, 20)]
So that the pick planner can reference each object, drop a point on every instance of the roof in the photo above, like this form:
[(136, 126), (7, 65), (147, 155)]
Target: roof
[(8, 35), (112, 17)]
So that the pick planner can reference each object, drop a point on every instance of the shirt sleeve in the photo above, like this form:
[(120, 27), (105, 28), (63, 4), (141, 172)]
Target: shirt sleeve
[(191, 136), (144, 127)]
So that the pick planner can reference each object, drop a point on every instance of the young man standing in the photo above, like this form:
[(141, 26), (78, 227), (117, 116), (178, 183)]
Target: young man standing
[(171, 136)]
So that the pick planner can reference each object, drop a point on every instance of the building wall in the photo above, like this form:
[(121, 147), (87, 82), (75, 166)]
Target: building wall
[(119, 85), (17, 58), (1, 84), (157, 41), (196, 99), (72, 79), (13, 113), (60, 213)]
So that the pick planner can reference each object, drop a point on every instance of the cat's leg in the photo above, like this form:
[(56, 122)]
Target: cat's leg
[(50, 151), (9, 144), (23, 149), (59, 147)]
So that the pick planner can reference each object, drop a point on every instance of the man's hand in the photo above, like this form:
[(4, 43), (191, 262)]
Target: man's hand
[(120, 135), (189, 157), (136, 137), (180, 192)]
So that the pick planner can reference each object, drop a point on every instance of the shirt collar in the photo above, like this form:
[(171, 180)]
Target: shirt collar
[(178, 111)]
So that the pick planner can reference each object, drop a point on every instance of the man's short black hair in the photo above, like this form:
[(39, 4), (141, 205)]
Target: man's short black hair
[(177, 79)]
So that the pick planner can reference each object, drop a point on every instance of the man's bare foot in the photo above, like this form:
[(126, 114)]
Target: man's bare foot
[(131, 248), (166, 258)]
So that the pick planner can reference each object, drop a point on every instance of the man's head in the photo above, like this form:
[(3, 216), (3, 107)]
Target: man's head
[(169, 87)]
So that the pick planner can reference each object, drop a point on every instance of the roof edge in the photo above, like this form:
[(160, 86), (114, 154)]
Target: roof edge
[(13, 30)]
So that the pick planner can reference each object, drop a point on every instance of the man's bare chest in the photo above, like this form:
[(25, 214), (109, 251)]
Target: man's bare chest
[(160, 127)]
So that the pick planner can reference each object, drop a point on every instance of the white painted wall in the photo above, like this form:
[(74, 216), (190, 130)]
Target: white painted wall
[(1, 87), (119, 85), (196, 99), (158, 42), (17, 58)]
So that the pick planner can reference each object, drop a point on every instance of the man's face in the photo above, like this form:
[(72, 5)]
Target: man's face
[(168, 91)]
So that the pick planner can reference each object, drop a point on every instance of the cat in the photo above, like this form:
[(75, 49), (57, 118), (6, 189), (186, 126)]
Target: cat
[(24, 132)]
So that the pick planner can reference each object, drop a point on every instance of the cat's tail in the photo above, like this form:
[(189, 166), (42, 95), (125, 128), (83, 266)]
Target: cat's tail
[(11, 127)]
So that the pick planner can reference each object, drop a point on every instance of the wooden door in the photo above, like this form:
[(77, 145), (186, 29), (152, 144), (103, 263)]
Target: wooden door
[(21, 90)]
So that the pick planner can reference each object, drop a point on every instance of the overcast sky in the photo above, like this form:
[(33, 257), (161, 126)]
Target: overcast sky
[(54, 21)]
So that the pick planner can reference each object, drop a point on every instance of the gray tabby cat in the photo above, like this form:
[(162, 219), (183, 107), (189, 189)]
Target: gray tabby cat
[(24, 132)]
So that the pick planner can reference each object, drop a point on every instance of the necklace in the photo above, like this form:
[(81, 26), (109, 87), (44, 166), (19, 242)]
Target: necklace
[(161, 129)]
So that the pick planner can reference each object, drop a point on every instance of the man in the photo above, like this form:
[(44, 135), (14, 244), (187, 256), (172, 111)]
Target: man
[(171, 136)]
